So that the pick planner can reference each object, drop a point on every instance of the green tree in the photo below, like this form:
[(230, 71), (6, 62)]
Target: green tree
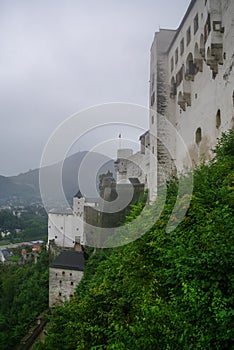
[(23, 296), (165, 290)]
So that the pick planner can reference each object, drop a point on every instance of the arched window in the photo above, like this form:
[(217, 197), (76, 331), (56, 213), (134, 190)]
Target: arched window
[(207, 28), (173, 87), (198, 136), (198, 60), (218, 119), (202, 46), (190, 68)]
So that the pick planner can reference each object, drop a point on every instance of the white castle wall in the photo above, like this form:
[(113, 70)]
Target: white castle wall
[(194, 94), (66, 227), (209, 89)]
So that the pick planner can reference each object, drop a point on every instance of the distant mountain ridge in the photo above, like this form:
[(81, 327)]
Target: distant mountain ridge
[(10, 189), (25, 186)]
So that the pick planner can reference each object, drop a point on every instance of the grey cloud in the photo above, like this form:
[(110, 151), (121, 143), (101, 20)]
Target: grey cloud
[(60, 56)]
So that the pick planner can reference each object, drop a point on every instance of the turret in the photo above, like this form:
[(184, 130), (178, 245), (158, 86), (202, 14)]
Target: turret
[(78, 204)]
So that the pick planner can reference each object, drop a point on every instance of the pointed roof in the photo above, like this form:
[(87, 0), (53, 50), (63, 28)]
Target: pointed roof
[(78, 195)]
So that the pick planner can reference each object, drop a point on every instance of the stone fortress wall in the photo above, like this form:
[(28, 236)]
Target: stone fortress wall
[(191, 95)]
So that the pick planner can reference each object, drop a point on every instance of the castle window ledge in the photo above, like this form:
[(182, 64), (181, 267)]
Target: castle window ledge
[(188, 76), (181, 101), (215, 47), (187, 98), (202, 52), (182, 105), (215, 70), (179, 76), (198, 62), (217, 52)]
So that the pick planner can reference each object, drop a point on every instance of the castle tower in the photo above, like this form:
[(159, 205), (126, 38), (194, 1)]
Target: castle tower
[(78, 217), (121, 164), (78, 204)]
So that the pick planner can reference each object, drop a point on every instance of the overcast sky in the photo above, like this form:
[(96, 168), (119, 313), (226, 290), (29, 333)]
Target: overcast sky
[(60, 56)]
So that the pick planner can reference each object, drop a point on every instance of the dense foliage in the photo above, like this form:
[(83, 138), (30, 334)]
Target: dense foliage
[(165, 290), (33, 225), (23, 296)]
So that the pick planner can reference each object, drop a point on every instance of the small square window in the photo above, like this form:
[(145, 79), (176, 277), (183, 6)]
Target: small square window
[(217, 26), (63, 272), (72, 283), (182, 46), (188, 36), (60, 294)]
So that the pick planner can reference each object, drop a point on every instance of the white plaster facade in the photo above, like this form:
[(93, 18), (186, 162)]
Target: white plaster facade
[(66, 227), (192, 86)]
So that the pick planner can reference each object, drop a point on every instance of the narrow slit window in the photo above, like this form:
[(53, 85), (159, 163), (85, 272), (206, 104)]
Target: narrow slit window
[(218, 119), (198, 136)]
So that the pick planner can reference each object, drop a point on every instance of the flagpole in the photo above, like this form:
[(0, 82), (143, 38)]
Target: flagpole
[(120, 136)]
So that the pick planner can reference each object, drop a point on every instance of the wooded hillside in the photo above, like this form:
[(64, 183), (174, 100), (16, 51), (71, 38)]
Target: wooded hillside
[(165, 290)]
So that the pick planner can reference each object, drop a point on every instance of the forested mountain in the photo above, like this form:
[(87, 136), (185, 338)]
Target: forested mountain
[(25, 186), (9, 188), (166, 290)]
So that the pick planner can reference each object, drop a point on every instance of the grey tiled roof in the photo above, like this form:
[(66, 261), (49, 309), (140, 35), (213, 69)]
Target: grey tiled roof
[(69, 260), (61, 211), (134, 180)]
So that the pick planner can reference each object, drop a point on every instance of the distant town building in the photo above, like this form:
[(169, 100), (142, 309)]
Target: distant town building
[(5, 254)]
